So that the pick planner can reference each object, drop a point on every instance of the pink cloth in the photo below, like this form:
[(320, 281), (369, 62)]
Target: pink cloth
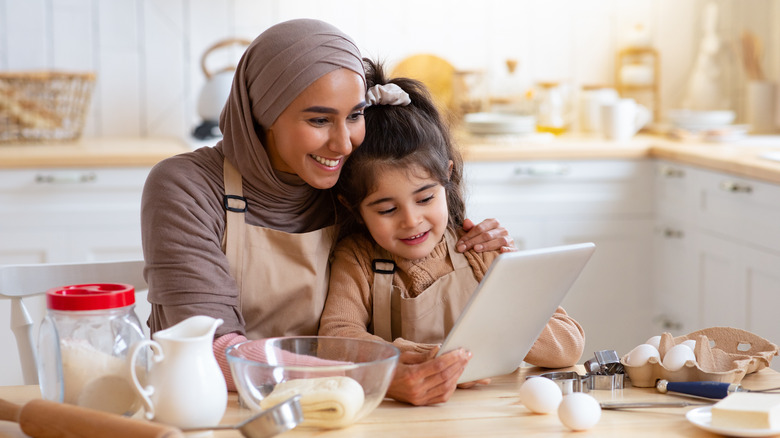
[(220, 345)]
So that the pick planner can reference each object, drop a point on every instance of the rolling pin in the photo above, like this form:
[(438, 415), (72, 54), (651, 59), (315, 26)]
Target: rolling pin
[(48, 419)]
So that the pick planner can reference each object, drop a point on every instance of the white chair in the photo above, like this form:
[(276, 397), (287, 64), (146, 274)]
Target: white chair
[(19, 281)]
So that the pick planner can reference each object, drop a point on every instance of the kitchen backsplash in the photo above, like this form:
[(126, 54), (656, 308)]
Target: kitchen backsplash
[(147, 53)]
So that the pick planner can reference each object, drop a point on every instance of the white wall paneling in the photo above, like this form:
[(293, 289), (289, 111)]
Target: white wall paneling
[(147, 53), (165, 72)]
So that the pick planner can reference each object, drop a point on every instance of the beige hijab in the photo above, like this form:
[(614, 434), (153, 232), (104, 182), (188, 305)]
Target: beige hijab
[(274, 70)]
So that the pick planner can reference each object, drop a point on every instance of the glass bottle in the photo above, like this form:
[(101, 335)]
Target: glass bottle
[(553, 112)]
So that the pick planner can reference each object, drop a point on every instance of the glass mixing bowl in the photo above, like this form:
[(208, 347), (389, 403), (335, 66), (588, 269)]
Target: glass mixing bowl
[(340, 380)]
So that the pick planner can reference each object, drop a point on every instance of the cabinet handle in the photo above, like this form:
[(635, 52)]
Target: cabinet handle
[(543, 170), (735, 187), (667, 323), (65, 178), (671, 233), (671, 172)]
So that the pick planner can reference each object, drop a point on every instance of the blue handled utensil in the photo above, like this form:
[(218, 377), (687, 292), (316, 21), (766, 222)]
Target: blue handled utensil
[(706, 389)]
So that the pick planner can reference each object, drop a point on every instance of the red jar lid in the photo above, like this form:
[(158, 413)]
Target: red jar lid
[(90, 296)]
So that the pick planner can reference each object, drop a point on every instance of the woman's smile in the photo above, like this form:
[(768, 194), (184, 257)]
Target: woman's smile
[(330, 163)]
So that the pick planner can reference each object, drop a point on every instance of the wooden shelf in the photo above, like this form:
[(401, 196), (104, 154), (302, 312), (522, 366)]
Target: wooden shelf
[(645, 56)]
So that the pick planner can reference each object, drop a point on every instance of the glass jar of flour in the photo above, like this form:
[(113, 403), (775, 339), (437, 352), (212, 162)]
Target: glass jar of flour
[(83, 343)]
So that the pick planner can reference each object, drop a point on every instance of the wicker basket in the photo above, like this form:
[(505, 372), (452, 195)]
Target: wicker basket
[(43, 105)]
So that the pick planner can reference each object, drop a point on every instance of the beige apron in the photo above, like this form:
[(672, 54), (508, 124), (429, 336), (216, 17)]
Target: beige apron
[(428, 317), (282, 277)]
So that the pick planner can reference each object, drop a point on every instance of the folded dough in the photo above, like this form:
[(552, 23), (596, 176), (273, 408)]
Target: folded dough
[(327, 402)]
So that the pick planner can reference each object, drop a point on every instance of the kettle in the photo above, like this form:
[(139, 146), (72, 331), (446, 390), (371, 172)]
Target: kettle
[(215, 91)]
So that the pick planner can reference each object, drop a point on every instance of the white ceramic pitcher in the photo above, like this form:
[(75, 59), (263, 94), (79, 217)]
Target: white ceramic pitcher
[(185, 386)]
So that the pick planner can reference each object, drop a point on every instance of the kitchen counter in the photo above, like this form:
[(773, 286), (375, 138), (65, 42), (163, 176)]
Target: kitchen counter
[(739, 158), (90, 152), (492, 410)]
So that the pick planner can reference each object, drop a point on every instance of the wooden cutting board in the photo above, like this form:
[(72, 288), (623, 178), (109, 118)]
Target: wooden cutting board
[(435, 72)]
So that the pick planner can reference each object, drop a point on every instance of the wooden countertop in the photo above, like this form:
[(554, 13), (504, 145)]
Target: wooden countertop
[(493, 410), (741, 158), (90, 152)]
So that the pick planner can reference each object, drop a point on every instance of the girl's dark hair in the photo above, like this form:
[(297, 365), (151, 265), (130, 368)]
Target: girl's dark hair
[(400, 137)]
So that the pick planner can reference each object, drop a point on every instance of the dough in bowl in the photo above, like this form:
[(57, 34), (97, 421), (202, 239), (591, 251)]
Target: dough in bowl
[(327, 402)]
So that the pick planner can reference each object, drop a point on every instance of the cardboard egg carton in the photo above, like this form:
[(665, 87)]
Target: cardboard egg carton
[(723, 354)]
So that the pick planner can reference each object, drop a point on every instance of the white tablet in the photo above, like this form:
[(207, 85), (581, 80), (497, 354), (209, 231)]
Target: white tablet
[(512, 305)]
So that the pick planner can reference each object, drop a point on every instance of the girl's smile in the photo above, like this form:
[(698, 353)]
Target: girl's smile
[(407, 212), (415, 240)]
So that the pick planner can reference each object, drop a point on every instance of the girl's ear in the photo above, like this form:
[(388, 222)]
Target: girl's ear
[(449, 171)]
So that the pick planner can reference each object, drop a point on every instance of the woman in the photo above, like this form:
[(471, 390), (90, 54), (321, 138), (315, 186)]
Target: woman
[(243, 231)]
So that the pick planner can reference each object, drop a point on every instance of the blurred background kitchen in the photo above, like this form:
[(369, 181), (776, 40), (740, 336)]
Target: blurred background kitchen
[(152, 58)]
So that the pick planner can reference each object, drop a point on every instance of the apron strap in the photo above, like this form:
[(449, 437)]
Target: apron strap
[(458, 259), (235, 207), (382, 290)]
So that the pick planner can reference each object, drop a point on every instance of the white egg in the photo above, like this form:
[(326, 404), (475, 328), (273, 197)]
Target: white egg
[(675, 358), (690, 343), (641, 354), (579, 411), (655, 341), (540, 395)]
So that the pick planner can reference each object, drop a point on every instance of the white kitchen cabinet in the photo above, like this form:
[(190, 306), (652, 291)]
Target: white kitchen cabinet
[(66, 215), (740, 209), (62, 215), (675, 290), (740, 241), (608, 202), (740, 286), (717, 252)]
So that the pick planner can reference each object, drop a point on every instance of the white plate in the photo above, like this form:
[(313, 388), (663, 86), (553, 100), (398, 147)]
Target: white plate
[(702, 418), (693, 120), (498, 123)]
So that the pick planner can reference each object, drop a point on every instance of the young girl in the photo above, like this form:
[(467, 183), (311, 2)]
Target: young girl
[(395, 273)]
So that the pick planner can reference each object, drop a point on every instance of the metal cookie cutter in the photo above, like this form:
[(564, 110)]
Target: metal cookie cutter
[(568, 381), (605, 362), (604, 372)]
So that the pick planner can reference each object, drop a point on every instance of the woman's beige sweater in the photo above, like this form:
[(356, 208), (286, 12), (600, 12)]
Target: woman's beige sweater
[(348, 309)]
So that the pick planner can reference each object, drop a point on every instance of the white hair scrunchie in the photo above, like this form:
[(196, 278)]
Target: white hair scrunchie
[(387, 94)]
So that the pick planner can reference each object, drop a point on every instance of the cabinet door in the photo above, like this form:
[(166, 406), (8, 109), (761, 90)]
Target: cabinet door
[(550, 203), (722, 274), (739, 287), (32, 245), (762, 279), (676, 191), (612, 299), (69, 215), (742, 209), (675, 286), (537, 189)]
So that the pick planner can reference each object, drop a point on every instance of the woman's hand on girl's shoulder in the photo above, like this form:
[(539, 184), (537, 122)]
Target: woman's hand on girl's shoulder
[(488, 235)]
